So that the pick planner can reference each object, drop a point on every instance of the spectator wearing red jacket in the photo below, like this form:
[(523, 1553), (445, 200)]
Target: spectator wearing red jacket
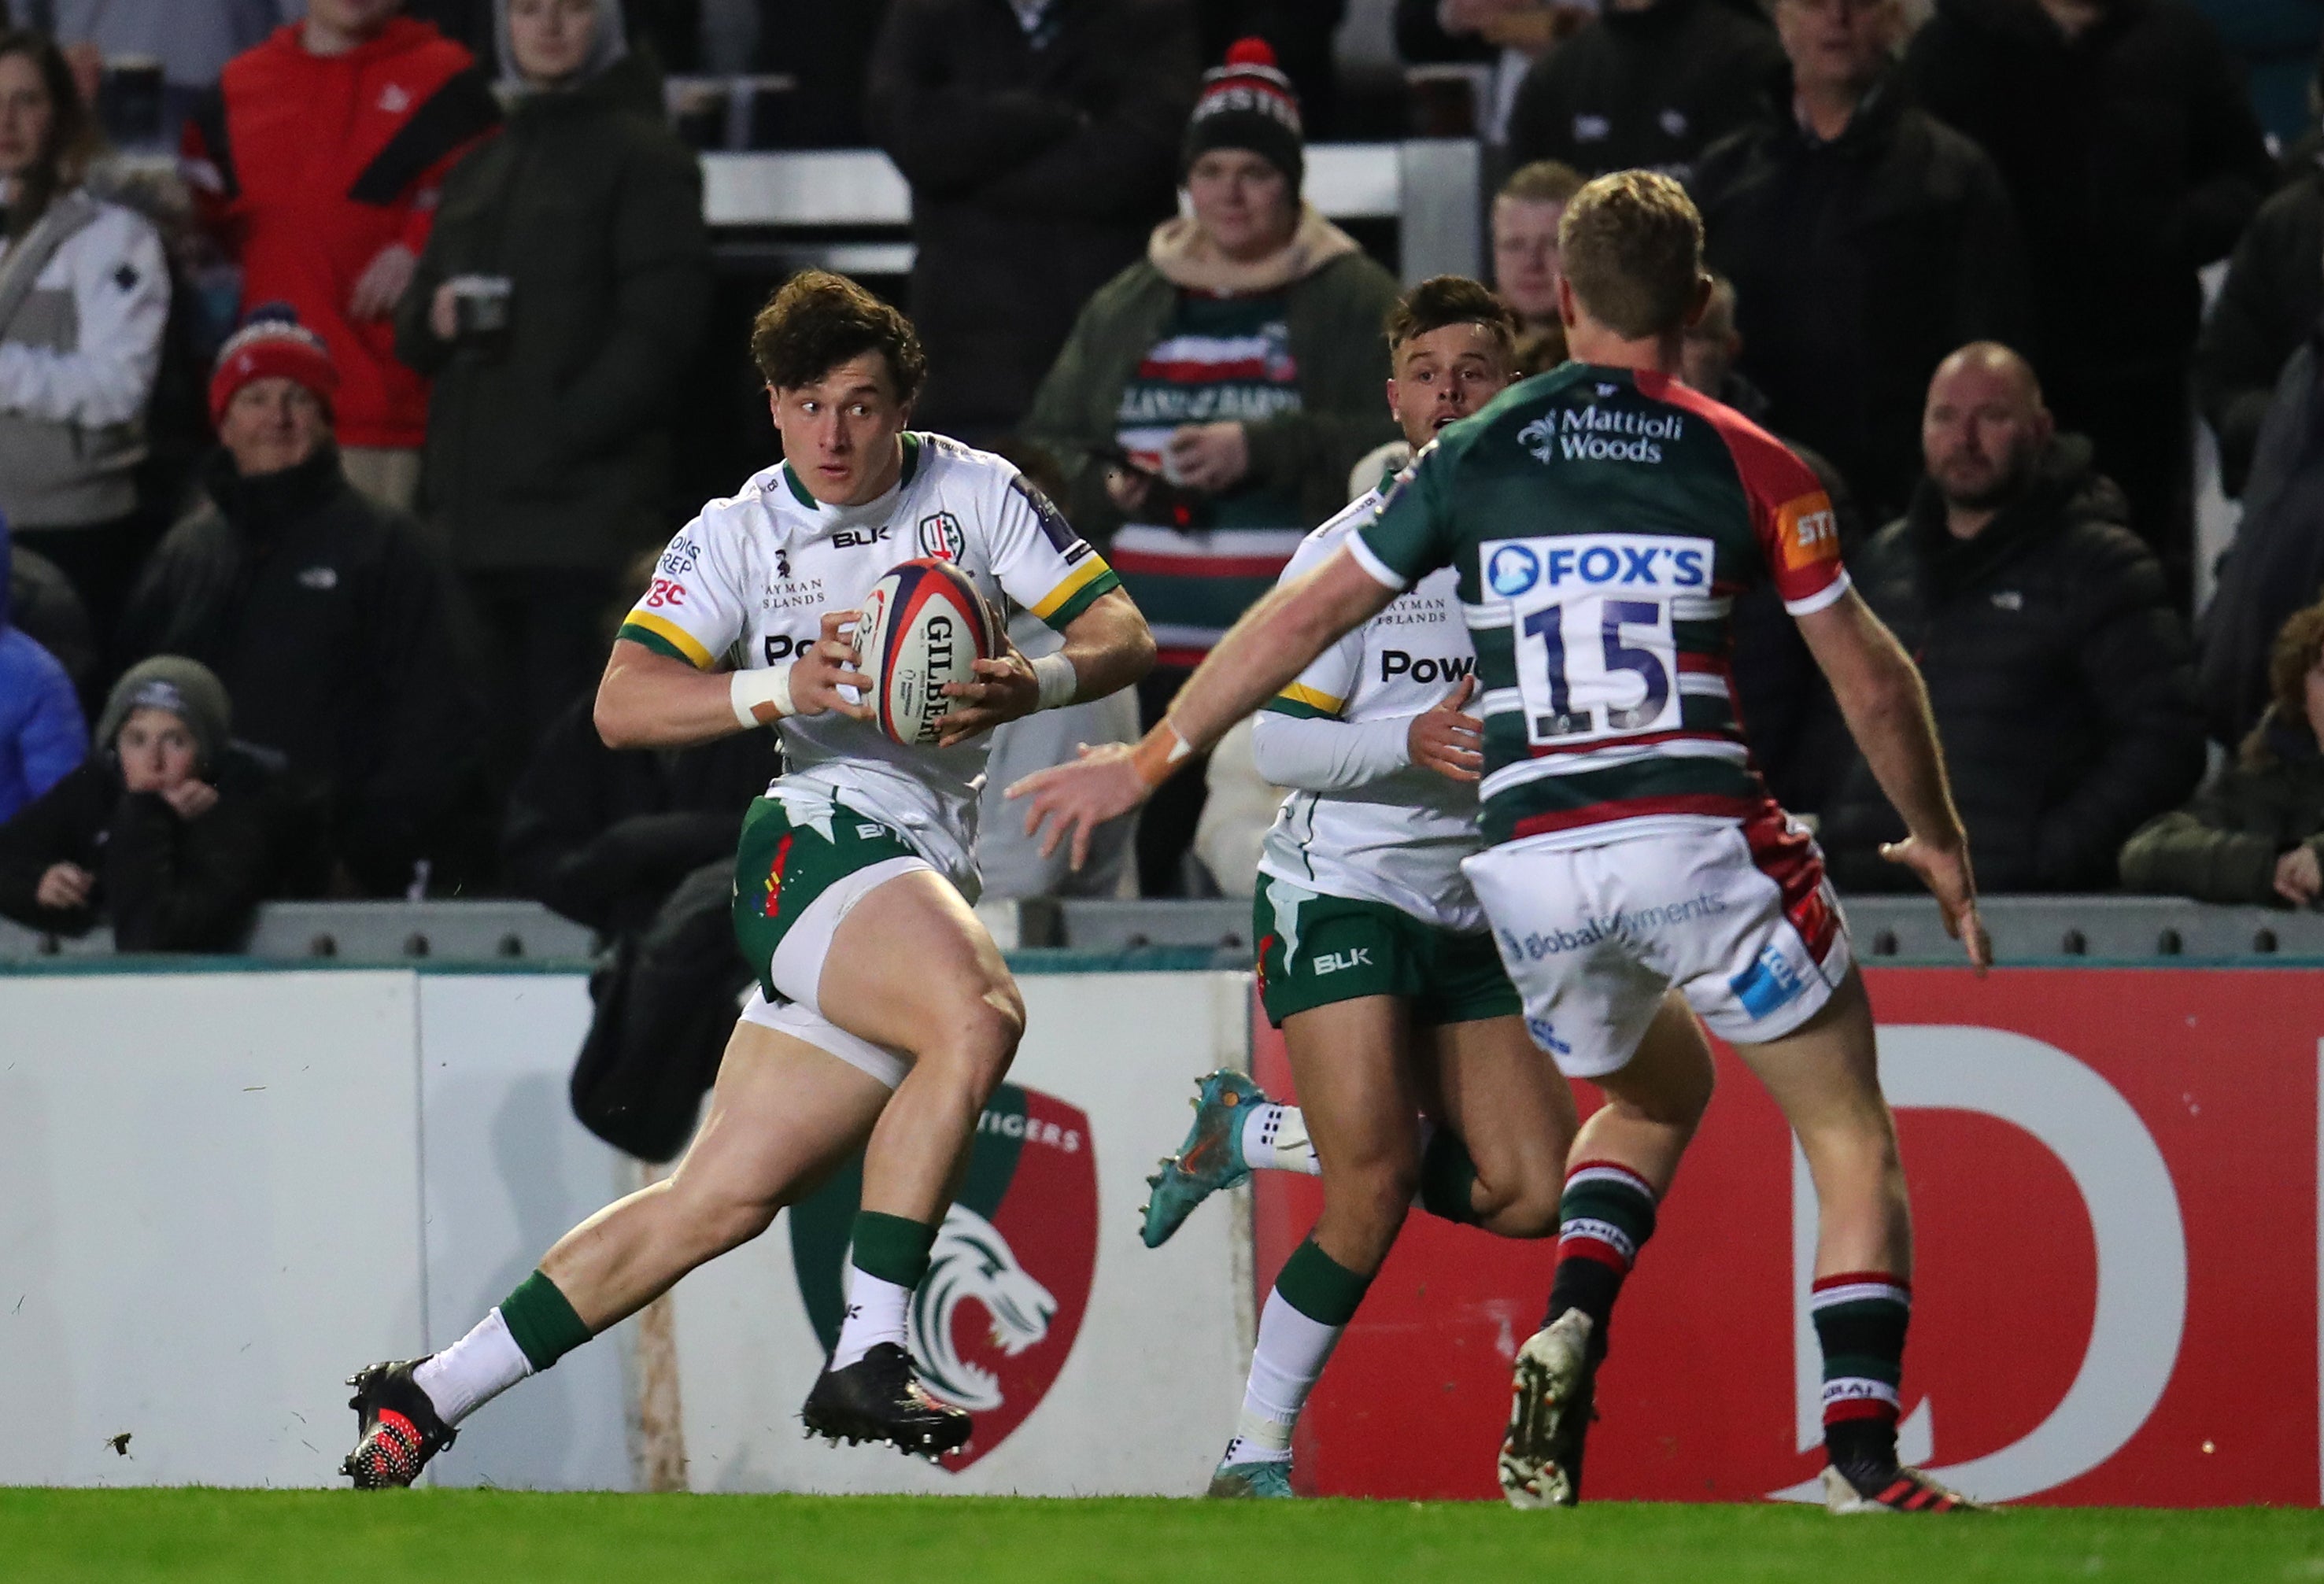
[(322, 155)]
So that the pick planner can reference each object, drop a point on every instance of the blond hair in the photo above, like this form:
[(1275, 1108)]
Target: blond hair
[(1633, 250)]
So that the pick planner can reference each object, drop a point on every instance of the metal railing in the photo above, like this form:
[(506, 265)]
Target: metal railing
[(2159, 931), (1432, 188)]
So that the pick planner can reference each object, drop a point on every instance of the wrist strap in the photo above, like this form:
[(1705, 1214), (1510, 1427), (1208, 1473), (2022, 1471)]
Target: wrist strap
[(749, 691), (1058, 679), (1160, 753)]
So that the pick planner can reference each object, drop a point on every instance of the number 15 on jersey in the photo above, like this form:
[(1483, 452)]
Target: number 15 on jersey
[(1591, 619)]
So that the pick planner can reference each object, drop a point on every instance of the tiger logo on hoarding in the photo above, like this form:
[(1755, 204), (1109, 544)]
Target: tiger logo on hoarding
[(1008, 1278), (972, 1262)]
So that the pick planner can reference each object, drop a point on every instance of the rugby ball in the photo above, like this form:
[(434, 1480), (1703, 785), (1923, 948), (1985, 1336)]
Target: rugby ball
[(923, 625)]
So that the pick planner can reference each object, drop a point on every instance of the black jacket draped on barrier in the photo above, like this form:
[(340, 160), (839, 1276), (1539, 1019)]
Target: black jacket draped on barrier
[(641, 846)]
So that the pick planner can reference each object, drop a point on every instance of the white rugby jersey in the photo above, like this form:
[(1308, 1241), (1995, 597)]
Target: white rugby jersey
[(746, 584), (1399, 839)]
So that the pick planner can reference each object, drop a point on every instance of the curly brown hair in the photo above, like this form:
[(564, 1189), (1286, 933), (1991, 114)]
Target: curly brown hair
[(818, 320), (2298, 643)]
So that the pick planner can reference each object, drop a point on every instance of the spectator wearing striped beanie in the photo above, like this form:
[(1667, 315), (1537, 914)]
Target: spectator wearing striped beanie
[(1214, 395)]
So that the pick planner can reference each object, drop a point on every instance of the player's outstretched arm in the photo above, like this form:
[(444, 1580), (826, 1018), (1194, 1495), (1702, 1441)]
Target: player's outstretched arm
[(1886, 707), (1108, 647), (649, 700), (1277, 639)]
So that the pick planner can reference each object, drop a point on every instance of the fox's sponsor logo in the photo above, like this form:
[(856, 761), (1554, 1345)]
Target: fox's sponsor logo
[(1595, 563), (1395, 662)]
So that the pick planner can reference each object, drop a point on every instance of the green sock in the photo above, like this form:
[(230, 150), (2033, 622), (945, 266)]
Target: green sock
[(891, 1248), (1319, 1286), (543, 1322), (1447, 1178)]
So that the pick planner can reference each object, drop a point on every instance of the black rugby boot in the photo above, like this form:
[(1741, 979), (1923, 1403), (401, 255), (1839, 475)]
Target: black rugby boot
[(879, 1397), (399, 1428)]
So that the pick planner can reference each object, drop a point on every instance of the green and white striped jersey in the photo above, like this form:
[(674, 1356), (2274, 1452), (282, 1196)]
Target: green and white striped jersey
[(1599, 523)]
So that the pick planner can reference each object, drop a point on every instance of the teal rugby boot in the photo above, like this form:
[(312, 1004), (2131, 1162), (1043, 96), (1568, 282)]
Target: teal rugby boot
[(1257, 1481), (1210, 1158)]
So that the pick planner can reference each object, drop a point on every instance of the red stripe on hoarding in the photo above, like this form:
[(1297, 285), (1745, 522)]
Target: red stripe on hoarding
[(1184, 659)]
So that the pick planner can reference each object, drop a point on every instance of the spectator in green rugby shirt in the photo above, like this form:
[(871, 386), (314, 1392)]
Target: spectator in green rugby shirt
[(1213, 396)]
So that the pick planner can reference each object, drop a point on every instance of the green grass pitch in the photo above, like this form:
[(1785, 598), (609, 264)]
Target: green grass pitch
[(450, 1537)]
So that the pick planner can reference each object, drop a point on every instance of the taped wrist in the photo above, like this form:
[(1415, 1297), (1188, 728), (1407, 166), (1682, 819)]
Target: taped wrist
[(1160, 753), (769, 685), (1058, 680)]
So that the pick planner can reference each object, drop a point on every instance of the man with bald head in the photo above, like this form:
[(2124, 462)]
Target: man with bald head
[(2058, 669)]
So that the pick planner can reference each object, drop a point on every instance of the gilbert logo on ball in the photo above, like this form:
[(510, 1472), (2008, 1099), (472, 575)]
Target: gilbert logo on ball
[(995, 1320), (923, 625)]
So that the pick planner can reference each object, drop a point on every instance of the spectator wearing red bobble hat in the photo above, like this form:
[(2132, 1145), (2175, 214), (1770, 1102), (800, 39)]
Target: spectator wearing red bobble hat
[(1214, 395), (327, 617)]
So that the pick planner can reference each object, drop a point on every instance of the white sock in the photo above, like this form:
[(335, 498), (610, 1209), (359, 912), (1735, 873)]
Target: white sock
[(472, 1371), (875, 1314), (1275, 1139), (1283, 1369)]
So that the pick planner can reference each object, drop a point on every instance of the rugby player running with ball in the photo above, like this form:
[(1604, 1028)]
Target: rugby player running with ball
[(883, 1016), (1601, 518), (1374, 958)]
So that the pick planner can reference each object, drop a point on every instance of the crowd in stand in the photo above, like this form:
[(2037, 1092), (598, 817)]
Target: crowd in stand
[(339, 341)]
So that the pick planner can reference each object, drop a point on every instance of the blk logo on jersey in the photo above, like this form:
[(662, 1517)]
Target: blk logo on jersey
[(849, 538), (995, 1319)]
